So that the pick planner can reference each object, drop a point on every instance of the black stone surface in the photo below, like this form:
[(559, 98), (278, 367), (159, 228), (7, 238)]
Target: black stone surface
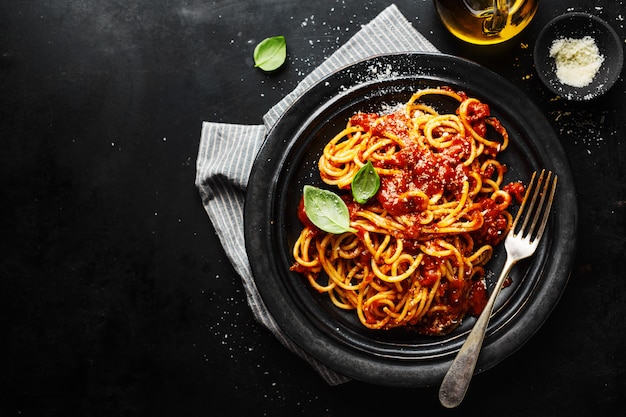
[(117, 298)]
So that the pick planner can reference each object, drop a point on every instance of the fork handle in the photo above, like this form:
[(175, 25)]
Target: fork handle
[(457, 379)]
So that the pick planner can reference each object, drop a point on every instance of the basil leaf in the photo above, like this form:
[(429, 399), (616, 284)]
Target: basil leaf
[(365, 183), (326, 210), (271, 53)]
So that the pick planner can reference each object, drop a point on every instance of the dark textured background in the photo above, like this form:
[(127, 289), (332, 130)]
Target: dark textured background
[(116, 296)]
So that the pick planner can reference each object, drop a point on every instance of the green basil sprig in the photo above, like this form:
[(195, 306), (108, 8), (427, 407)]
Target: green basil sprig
[(365, 183), (326, 210), (270, 53)]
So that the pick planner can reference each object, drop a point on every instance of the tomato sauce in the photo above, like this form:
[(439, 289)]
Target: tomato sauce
[(494, 224), (419, 170), (304, 219), (516, 189), (394, 123)]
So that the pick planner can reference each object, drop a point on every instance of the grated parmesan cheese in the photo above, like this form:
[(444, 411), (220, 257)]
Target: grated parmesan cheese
[(577, 60)]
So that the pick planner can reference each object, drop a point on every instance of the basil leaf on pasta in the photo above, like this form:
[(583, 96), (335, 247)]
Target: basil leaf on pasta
[(365, 183), (326, 210), (270, 53)]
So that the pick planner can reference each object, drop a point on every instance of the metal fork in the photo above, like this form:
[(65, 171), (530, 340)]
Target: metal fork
[(519, 244)]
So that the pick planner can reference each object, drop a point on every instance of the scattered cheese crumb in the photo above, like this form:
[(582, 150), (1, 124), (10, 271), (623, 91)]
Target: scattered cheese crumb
[(577, 60)]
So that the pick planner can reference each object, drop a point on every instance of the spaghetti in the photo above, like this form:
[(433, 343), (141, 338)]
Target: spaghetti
[(421, 243)]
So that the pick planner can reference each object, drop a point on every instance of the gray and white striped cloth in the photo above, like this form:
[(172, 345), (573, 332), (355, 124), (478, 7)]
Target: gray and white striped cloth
[(227, 152)]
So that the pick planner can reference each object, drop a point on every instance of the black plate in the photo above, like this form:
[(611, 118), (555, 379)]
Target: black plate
[(288, 160)]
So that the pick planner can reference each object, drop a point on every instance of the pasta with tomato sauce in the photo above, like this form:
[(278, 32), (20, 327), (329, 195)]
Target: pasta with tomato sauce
[(416, 251)]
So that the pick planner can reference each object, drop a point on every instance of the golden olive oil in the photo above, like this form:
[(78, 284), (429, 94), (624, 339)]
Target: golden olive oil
[(486, 22)]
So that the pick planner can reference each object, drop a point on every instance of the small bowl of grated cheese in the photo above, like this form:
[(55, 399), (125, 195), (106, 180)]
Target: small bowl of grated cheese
[(578, 56)]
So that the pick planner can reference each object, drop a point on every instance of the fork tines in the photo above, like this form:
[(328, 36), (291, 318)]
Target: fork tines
[(541, 193)]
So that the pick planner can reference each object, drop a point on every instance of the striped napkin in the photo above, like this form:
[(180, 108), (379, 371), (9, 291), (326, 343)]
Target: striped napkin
[(227, 152)]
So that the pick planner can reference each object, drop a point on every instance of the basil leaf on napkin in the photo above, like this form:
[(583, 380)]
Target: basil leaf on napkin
[(365, 183), (326, 210), (270, 53)]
